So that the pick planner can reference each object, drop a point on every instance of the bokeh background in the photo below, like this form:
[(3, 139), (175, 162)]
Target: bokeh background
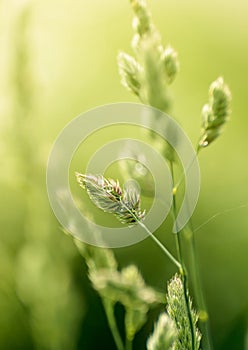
[(58, 59)]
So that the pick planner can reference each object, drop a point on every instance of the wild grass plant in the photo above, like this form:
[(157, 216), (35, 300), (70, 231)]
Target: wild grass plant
[(41, 300), (185, 324)]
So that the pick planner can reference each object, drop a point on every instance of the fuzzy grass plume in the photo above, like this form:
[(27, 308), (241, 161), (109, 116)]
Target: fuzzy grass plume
[(215, 113), (108, 196), (177, 310), (153, 67), (164, 334)]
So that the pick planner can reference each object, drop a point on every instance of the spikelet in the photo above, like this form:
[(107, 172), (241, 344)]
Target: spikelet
[(216, 113), (164, 334), (177, 310), (108, 196), (171, 63), (142, 20), (129, 70)]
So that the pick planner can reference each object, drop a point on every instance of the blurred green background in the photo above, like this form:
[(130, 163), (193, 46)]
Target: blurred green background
[(58, 59)]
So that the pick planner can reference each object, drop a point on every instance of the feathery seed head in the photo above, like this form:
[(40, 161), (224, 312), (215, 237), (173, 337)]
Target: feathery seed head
[(177, 310), (142, 20), (126, 286), (129, 70), (171, 63), (108, 196), (216, 113), (164, 334), (153, 80)]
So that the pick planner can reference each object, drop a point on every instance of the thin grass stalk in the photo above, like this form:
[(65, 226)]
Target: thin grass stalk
[(109, 310), (196, 279), (197, 286), (198, 291), (183, 272), (129, 344), (161, 246)]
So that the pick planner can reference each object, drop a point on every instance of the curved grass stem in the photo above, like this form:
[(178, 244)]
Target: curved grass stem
[(129, 344), (161, 246), (164, 249), (109, 310)]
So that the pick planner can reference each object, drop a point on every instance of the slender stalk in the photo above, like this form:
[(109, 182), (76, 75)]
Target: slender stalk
[(167, 253), (109, 310), (129, 344), (161, 246), (182, 176), (164, 249), (197, 286), (184, 273), (196, 280), (198, 291)]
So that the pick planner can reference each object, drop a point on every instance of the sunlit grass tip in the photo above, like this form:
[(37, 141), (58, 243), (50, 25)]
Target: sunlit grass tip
[(108, 196)]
